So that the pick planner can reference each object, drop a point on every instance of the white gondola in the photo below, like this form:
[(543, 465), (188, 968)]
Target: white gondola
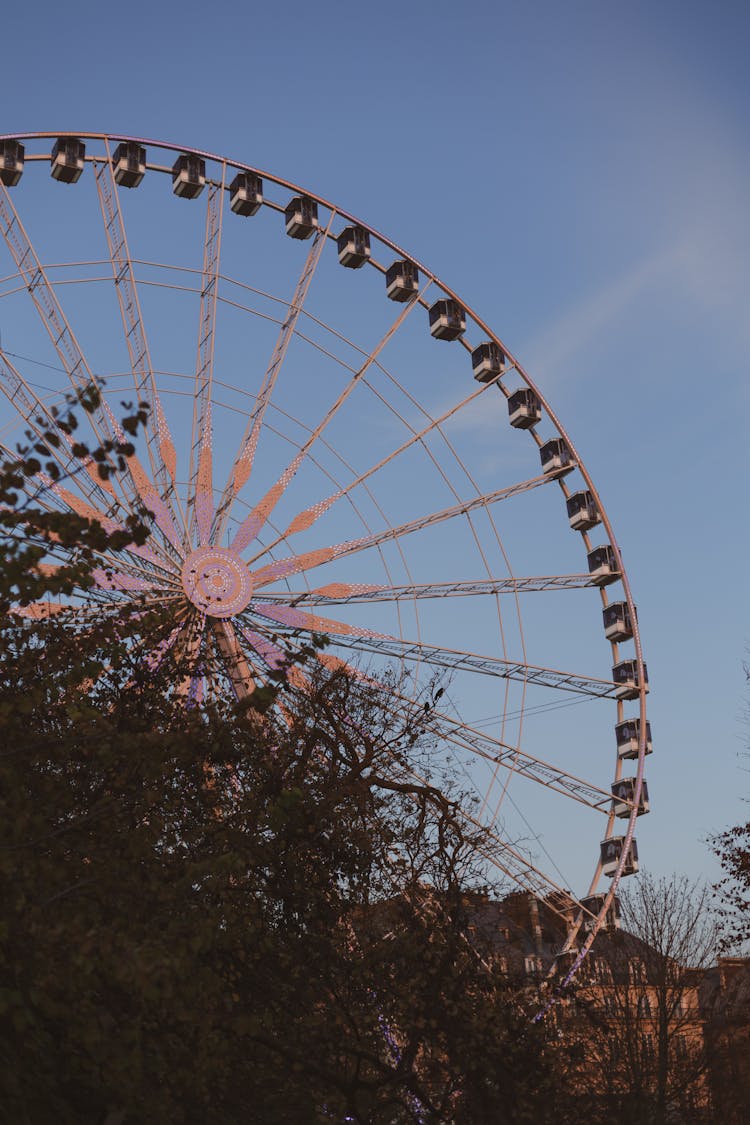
[(67, 159), (556, 456), (488, 361), (447, 320), (625, 676), (301, 217), (627, 735), (524, 408), (245, 193), (582, 511), (188, 175), (129, 164), (353, 245), (603, 565), (617, 623), (610, 851), (623, 792), (11, 162), (594, 904), (401, 281)]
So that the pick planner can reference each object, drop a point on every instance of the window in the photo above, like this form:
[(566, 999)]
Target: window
[(637, 971), (602, 970)]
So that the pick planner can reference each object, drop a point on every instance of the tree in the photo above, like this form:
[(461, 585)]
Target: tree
[(636, 1012), (733, 851), (31, 528), (729, 995), (225, 912), (212, 909)]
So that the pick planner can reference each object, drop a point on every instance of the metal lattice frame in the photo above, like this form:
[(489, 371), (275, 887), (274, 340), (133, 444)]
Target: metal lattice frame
[(236, 601)]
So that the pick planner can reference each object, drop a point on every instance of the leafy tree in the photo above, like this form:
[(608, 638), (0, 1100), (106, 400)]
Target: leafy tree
[(729, 999), (31, 528), (229, 913), (733, 851)]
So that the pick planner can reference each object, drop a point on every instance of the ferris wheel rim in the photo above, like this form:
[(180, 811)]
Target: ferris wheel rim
[(524, 375)]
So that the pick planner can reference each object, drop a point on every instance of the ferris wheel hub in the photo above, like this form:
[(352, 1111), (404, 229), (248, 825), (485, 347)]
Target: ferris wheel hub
[(216, 581)]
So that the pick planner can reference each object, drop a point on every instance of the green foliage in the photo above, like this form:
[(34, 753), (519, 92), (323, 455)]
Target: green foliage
[(732, 849), (229, 913), (30, 528), (205, 911)]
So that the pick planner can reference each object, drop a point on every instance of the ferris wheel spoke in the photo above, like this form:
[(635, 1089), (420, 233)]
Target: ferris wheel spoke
[(50, 608), (53, 318), (189, 641), (274, 657), (122, 560), (117, 563), (108, 579), (200, 488), (458, 661), (253, 524), (501, 754), (136, 559), (522, 764), (158, 508), (143, 551), (154, 658), (270, 653), (298, 619), (497, 850), (161, 450), (234, 658), (143, 577), (306, 518), (353, 593), (82, 470), (243, 464), (196, 690), (296, 564), (42, 609), (511, 862)]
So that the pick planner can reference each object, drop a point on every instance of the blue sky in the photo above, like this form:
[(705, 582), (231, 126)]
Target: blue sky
[(579, 174)]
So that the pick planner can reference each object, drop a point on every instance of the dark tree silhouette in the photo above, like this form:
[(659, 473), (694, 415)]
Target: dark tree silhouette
[(226, 913)]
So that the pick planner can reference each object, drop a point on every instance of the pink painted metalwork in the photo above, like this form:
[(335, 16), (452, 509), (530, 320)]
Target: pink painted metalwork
[(298, 619), (217, 582), (201, 463), (163, 458)]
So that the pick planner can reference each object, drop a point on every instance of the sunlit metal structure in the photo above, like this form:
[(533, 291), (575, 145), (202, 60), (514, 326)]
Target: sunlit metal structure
[(237, 471)]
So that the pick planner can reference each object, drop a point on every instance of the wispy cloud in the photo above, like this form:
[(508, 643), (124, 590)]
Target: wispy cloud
[(553, 349), (701, 270)]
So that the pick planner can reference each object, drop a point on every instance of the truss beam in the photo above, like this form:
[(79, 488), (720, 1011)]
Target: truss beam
[(272, 572), (457, 661), (200, 491), (48, 308), (161, 450), (346, 593), (243, 465)]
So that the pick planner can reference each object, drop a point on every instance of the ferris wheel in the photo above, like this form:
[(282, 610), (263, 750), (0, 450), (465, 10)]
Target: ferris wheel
[(336, 445)]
